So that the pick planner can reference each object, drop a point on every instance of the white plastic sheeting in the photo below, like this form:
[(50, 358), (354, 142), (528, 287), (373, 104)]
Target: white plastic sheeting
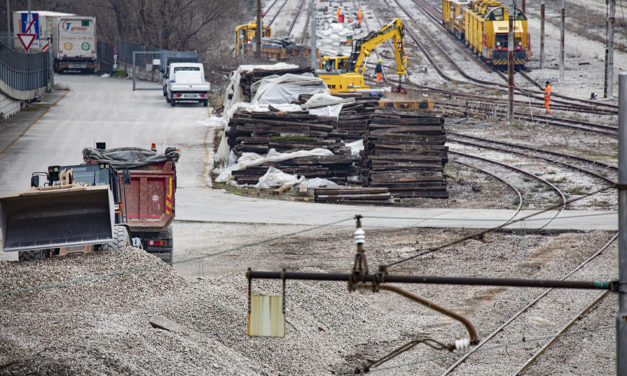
[(274, 178), (254, 159), (286, 88), (325, 104)]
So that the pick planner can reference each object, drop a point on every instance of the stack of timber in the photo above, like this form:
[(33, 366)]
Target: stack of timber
[(353, 195), (405, 152), (258, 132), (247, 78), (352, 123)]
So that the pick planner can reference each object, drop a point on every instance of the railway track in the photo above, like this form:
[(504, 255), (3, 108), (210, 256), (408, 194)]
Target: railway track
[(277, 11), (569, 103), (502, 335), (560, 195)]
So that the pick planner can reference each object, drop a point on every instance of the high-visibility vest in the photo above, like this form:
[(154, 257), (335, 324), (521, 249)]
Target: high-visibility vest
[(547, 93)]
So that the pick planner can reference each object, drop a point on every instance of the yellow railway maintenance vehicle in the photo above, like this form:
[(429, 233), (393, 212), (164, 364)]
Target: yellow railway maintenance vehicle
[(245, 37), (345, 74), (483, 25)]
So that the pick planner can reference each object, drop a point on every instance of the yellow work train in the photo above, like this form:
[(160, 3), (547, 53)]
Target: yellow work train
[(483, 25)]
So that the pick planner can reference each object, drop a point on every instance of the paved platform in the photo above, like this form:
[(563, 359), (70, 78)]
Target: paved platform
[(206, 205)]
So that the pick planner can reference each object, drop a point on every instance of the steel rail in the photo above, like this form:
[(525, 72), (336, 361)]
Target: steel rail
[(557, 335), (277, 13), (300, 7), (523, 310), (544, 181), (520, 197), (567, 165)]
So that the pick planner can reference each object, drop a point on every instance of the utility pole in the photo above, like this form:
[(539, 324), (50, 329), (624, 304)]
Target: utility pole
[(621, 318), (9, 22), (313, 34), (542, 34), (563, 17), (524, 7), (608, 91), (28, 19), (510, 63), (259, 31)]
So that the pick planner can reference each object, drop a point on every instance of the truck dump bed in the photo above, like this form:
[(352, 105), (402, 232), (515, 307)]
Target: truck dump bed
[(146, 186)]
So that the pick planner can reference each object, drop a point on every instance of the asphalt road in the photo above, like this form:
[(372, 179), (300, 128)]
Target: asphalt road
[(99, 109)]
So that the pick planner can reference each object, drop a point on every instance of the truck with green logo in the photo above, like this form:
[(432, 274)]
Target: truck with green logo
[(70, 37)]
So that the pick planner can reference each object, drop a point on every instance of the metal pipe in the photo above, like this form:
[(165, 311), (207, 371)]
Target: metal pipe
[(542, 35), (562, 26), (510, 63), (9, 22), (259, 30), (474, 339), (507, 282), (609, 52), (314, 64), (621, 318)]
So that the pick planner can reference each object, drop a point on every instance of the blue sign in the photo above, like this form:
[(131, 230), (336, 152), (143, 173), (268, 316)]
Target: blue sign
[(30, 25)]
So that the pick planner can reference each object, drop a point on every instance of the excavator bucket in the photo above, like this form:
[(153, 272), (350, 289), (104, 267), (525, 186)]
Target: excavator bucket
[(56, 217)]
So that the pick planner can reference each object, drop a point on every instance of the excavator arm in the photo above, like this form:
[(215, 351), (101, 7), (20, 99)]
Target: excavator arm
[(363, 47)]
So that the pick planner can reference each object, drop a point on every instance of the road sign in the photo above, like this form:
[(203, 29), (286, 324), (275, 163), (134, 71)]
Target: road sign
[(26, 40), (30, 25)]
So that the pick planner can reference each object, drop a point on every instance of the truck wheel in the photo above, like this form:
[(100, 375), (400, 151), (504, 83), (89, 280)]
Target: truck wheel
[(120, 241), (172, 102), (38, 254), (205, 103)]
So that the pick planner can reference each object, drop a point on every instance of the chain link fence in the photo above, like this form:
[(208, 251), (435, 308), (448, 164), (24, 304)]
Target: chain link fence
[(22, 71)]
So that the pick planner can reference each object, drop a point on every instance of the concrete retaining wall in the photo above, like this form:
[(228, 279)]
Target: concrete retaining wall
[(8, 106)]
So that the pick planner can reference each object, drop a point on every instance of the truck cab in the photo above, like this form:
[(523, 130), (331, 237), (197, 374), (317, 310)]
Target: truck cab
[(186, 82), (169, 61)]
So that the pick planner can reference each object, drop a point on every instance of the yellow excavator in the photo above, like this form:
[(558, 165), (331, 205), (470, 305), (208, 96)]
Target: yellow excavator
[(345, 74), (245, 37)]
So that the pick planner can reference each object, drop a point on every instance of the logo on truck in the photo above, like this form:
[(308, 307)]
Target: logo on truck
[(67, 25), (68, 45), (85, 46)]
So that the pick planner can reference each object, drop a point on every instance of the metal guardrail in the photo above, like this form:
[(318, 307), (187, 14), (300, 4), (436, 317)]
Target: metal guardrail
[(22, 71)]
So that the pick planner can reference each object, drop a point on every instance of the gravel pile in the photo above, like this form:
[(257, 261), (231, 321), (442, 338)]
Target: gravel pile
[(101, 325)]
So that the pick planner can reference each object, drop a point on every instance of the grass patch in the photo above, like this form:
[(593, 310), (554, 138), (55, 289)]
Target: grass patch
[(119, 74)]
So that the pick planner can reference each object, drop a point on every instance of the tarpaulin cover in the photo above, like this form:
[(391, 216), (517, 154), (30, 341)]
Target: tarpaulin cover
[(128, 157), (286, 88)]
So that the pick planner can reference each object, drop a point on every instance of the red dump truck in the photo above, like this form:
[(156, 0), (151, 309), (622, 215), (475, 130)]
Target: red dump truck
[(117, 197)]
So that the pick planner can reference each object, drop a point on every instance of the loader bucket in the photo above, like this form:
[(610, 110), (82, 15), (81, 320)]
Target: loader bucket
[(55, 217)]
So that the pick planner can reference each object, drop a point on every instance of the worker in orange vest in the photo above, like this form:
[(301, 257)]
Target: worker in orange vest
[(360, 15), (547, 97), (338, 13), (379, 71)]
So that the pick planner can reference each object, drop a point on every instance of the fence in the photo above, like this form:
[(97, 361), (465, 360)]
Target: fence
[(125, 54), (22, 75)]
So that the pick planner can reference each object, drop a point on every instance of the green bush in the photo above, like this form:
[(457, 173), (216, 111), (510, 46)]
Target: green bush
[(120, 74)]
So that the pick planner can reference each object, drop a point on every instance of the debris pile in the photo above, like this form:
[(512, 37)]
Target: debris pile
[(405, 153)]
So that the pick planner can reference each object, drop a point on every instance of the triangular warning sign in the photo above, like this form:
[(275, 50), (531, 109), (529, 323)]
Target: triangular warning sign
[(26, 40)]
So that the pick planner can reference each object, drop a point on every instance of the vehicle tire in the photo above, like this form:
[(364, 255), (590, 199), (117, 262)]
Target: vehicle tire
[(121, 240), (172, 103), (38, 254), (205, 103)]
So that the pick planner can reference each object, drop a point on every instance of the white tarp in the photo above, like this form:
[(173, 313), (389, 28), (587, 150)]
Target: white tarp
[(286, 88), (254, 159), (325, 104), (274, 178)]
